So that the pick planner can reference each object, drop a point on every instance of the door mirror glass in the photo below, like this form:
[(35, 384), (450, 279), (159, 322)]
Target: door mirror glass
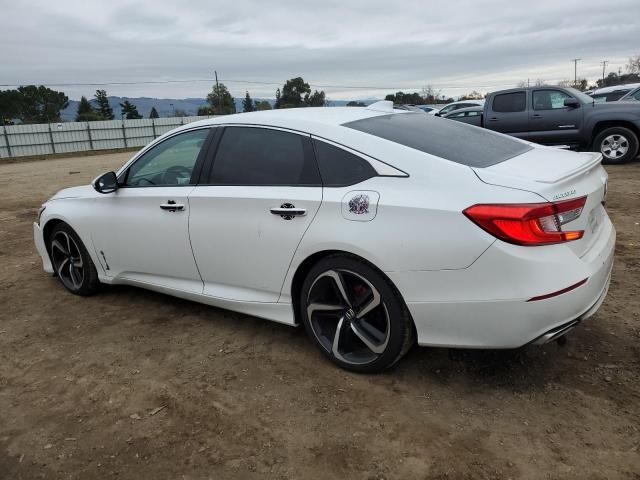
[(106, 183), (571, 103)]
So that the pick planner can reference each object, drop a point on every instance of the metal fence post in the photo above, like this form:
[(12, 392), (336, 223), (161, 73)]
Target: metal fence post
[(6, 138), (53, 145), (89, 133), (124, 135), (153, 127)]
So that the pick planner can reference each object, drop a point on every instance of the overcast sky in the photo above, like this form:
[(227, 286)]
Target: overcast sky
[(455, 45)]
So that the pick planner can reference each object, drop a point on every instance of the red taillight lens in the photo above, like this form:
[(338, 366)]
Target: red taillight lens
[(529, 223)]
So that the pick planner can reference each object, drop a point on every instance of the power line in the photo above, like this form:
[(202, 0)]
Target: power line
[(248, 82)]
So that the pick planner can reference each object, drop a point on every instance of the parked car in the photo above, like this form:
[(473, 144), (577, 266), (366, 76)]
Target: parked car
[(351, 222), (450, 107), (470, 115), (613, 94), (428, 109), (633, 96), (562, 117)]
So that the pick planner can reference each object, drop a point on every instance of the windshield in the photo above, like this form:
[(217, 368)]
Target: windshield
[(583, 97)]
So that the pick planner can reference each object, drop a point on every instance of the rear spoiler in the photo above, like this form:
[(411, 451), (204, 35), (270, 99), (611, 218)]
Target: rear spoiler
[(596, 159)]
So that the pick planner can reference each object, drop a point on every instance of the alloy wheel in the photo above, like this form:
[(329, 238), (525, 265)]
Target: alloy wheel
[(614, 146), (348, 316), (67, 260)]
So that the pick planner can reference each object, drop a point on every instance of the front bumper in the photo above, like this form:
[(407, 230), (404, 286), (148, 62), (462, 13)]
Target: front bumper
[(38, 239), (485, 305)]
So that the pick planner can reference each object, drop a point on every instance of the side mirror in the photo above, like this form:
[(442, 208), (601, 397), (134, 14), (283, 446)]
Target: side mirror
[(106, 183), (571, 103)]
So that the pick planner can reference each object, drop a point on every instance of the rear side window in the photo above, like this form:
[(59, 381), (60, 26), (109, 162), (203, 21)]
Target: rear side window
[(454, 141), (510, 102), (339, 168), (261, 156)]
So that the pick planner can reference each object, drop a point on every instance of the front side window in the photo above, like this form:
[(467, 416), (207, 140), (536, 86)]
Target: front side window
[(510, 102), (549, 99), (637, 95), (339, 168), (170, 163), (262, 156), (448, 109)]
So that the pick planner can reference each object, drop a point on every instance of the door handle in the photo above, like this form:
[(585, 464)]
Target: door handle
[(172, 206), (536, 115), (493, 119), (287, 211)]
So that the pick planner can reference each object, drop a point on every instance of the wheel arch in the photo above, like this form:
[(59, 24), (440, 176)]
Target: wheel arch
[(307, 264), (604, 124)]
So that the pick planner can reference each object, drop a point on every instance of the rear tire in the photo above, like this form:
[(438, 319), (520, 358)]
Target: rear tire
[(71, 262), (617, 145), (355, 315)]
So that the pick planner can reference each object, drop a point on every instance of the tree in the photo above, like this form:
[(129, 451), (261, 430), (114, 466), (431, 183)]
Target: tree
[(221, 101), (353, 103), (294, 92), (633, 65), (278, 99), (472, 96), (247, 103), (316, 99), (130, 111), (262, 105), (180, 113), (10, 106), (104, 109), (153, 113), (205, 110), (86, 113), (40, 104)]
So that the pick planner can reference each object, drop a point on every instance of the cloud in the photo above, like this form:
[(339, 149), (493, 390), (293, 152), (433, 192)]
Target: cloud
[(455, 45)]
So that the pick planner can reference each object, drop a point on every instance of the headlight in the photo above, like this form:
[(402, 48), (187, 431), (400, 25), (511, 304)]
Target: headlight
[(42, 208)]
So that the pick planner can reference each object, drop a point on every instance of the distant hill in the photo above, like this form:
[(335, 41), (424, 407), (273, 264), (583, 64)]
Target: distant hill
[(167, 106)]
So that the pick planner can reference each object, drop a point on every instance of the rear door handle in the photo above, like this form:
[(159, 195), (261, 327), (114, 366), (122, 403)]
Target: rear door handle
[(536, 115), (172, 206), (493, 119), (287, 211)]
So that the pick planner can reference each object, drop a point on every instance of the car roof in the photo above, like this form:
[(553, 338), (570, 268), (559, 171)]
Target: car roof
[(615, 88), (479, 102)]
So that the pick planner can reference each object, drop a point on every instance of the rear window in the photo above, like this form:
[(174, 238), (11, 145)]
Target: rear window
[(448, 139), (510, 102)]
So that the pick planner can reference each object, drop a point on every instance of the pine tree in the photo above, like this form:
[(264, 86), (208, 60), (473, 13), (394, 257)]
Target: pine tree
[(247, 104), (129, 110), (104, 109), (86, 113), (277, 104), (154, 113)]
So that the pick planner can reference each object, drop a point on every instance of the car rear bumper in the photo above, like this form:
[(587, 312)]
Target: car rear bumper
[(38, 239), (486, 305)]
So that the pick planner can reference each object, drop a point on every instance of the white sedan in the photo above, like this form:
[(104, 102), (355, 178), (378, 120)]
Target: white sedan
[(372, 227)]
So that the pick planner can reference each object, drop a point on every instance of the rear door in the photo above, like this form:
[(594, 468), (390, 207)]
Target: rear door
[(249, 214), (552, 123), (508, 113)]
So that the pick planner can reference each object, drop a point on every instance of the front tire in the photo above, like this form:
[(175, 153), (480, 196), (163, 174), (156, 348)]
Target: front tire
[(355, 315), (617, 145), (71, 262)]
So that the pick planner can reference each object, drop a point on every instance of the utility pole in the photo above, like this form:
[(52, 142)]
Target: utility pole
[(575, 71), (218, 93), (604, 66)]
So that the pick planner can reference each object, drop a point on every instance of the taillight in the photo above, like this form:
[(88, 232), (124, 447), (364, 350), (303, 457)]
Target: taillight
[(529, 223)]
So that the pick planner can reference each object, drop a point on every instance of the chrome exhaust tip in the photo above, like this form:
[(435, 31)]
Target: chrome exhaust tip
[(556, 333)]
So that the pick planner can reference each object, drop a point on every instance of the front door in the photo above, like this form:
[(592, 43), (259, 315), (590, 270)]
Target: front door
[(261, 195), (550, 122), (142, 233)]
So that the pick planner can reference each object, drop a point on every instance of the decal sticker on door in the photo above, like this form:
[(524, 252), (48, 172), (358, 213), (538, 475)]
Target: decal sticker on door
[(360, 205)]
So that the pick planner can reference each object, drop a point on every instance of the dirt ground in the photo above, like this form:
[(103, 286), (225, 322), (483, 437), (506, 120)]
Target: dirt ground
[(133, 384)]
